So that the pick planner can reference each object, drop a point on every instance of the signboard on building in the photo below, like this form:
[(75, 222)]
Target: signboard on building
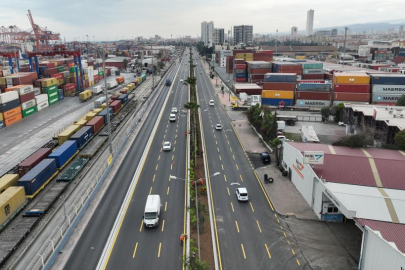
[(314, 157)]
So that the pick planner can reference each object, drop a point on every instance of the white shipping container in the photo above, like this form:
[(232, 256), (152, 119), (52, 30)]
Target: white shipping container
[(41, 98), (42, 105), (6, 72), (37, 91), (8, 96), (388, 89), (97, 89), (9, 81), (111, 84), (24, 89), (29, 104), (98, 102)]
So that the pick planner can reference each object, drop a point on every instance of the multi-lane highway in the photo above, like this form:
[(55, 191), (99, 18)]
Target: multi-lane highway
[(249, 235), (133, 246)]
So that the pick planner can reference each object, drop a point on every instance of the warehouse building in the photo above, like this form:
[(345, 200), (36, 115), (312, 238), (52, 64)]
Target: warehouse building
[(301, 50), (386, 121), (363, 185), (117, 62)]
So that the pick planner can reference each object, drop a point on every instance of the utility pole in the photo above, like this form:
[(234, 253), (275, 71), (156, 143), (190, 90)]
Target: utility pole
[(107, 108), (153, 69), (276, 40), (344, 45)]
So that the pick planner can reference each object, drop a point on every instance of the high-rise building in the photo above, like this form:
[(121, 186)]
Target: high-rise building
[(334, 32), (310, 22), (207, 33), (243, 34), (219, 36), (401, 30), (294, 31)]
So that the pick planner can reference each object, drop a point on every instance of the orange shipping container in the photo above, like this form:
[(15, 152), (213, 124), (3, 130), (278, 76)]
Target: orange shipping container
[(11, 113), (351, 78), (12, 120)]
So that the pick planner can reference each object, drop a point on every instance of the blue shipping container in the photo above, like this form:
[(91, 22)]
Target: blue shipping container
[(276, 65), (240, 75), (61, 96), (387, 79), (103, 113), (37, 176), (276, 101), (82, 136), (9, 105), (123, 98), (63, 153), (324, 87), (280, 77)]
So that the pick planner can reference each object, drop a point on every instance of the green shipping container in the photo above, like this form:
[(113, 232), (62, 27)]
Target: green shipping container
[(29, 111), (53, 100), (53, 94), (72, 69), (312, 65), (61, 68), (100, 73), (51, 88)]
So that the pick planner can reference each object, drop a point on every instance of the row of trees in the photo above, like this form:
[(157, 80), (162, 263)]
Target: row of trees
[(204, 50)]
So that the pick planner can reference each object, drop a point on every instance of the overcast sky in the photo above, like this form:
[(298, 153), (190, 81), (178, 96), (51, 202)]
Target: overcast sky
[(117, 19)]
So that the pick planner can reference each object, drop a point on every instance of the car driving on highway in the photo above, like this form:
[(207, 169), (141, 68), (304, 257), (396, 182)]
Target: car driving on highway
[(242, 194), (218, 127), (167, 146)]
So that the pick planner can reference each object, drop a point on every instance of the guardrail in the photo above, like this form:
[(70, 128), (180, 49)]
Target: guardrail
[(73, 212)]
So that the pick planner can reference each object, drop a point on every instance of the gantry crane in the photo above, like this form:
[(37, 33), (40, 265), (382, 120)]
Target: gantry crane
[(41, 35)]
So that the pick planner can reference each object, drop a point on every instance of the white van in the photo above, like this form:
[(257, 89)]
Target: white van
[(172, 117), (152, 211)]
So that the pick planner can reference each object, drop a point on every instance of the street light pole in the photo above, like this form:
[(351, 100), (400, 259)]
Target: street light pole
[(344, 45), (153, 69), (276, 40), (107, 106)]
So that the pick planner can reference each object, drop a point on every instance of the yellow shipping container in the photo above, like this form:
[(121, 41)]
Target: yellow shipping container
[(3, 81), (10, 201), (277, 94), (103, 106), (82, 122), (244, 55), (7, 181), (300, 57), (67, 133), (1, 117), (61, 81), (97, 111), (49, 82), (91, 83), (90, 115), (85, 77), (85, 95), (351, 78)]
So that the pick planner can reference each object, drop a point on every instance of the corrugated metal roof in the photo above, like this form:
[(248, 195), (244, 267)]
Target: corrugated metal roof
[(352, 166), (391, 232)]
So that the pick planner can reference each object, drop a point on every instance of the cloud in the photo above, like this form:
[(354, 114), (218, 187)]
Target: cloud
[(114, 19)]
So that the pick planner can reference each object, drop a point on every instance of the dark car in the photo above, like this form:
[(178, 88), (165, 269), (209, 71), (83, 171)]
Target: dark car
[(168, 82), (265, 157)]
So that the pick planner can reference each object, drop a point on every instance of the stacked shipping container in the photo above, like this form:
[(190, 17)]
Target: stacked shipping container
[(279, 88), (351, 87), (10, 108), (256, 71), (312, 71), (313, 94), (387, 88)]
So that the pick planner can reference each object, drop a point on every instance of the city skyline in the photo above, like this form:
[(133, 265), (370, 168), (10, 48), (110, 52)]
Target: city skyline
[(120, 23)]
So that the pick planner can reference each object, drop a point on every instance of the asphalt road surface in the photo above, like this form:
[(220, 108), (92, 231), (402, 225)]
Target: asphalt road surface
[(249, 235), (136, 247)]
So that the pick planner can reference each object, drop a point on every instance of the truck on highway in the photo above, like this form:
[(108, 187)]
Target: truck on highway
[(112, 84), (236, 106), (152, 211)]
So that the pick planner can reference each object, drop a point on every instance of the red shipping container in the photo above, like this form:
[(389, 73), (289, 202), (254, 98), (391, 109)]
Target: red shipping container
[(257, 76), (33, 160), (27, 78), (310, 81), (352, 88), (240, 66), (240, 79), (51, 71), (97, 123), (313, 95), (69, 86), (116, 105), (313, 76), (239, 61), (110, 101), (259, 71), (279, 86), (114, 97), (249, 91), (351, 97), (57, 76), (27, 97)]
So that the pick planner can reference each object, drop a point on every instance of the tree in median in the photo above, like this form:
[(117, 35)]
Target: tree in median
[(401, 101), (400, 139)]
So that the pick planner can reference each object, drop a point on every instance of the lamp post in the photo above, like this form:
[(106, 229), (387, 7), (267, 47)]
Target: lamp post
[(276, 40), (196, 206), (344, 45), (107, 106)]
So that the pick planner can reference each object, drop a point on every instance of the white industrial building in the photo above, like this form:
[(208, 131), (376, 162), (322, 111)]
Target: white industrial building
[(365, 185)]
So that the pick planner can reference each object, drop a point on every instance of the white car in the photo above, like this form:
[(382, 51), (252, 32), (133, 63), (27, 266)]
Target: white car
[(167, 146), (218, 127), (181, 80), (174, 110), (281, 137), (211, 103), (242, 194)]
